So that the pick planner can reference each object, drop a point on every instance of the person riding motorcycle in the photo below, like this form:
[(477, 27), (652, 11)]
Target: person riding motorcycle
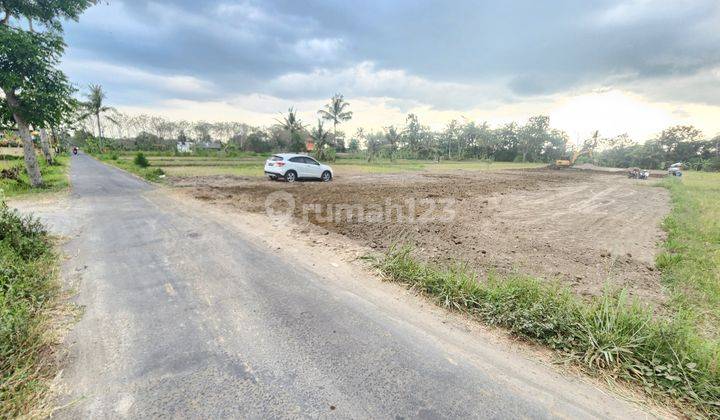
[(75, 150)]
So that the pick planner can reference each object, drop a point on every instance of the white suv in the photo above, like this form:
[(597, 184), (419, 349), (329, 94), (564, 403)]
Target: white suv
[(292, 167)]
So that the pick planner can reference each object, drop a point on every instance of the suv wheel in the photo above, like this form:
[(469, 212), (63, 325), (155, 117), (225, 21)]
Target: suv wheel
[(290, 176), (326, 176)]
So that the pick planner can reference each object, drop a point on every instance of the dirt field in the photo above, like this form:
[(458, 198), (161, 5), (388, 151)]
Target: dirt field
[(587, 229)]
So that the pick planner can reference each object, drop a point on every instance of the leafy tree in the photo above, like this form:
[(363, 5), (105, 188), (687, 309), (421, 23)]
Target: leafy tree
[(258, 141), (508, 139), (412, 133), (373, 145), (357, 141), (555, 146), (354, 145), (148, 141), (679, 142), (202, 131), (35, 92), (450, 136), (94, 107), (533, 137), (336, 112), (297, 144)]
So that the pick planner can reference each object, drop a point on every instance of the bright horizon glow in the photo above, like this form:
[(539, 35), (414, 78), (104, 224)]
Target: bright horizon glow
[(612, 112)]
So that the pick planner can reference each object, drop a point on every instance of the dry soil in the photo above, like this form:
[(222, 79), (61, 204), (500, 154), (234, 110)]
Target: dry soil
[(587, 229)]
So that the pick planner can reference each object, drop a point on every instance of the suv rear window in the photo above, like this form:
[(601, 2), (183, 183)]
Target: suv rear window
[(276, 158)]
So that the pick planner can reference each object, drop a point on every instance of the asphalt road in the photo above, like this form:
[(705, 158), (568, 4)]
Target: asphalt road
[(184, 317)]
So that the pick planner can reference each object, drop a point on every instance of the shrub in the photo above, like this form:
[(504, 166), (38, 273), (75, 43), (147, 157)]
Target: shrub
[(23, 235), (154, 174), (607, 335), (27, 292), (140, 160)]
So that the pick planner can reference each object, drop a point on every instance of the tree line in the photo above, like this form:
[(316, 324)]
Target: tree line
[(533, 141), (36, 96), (681, 143)]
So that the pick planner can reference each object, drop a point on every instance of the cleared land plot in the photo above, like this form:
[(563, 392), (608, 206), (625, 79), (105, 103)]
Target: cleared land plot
[(588, 230)]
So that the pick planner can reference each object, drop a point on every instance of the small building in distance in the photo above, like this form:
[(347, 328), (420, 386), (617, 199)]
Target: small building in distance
[(209, 145), (184, 146)]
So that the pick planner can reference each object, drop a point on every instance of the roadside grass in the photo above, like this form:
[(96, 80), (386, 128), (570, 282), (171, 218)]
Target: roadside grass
[(54, 177), (690, 263), (28, 300), (150, 172), (609, 336)]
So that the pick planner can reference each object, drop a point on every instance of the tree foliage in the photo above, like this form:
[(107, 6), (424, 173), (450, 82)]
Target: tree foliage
[(680, 143), (336, 112), (320, 137), (94, 106), (28, 73), (34, 92), (50, 13)]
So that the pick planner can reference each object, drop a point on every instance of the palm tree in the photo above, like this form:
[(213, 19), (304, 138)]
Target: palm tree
[(292, 124), (393, 138), (320, 138), (335, 112), (373, 144), (94, 107)]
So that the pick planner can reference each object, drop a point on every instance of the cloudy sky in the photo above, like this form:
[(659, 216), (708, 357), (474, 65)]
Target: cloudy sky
[(632, 66)]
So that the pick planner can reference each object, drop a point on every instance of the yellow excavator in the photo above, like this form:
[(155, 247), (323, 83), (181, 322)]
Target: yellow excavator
[(566, 163), (587, 149)]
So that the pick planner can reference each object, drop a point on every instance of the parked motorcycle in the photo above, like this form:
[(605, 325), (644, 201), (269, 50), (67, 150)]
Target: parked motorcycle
[(637, 173)]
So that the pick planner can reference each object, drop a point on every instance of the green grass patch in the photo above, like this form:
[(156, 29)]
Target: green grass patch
[(254, 169), (138, 166), (690, 263), (252, 166), (609, 335), (28, 294), (54, 176)]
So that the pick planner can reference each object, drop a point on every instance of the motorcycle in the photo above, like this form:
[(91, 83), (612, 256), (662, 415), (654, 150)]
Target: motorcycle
[(636, 173)]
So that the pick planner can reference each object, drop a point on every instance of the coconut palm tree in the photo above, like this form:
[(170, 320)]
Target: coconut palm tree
[(94, 107), (320, 138), (292, 124), (335, 112)]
